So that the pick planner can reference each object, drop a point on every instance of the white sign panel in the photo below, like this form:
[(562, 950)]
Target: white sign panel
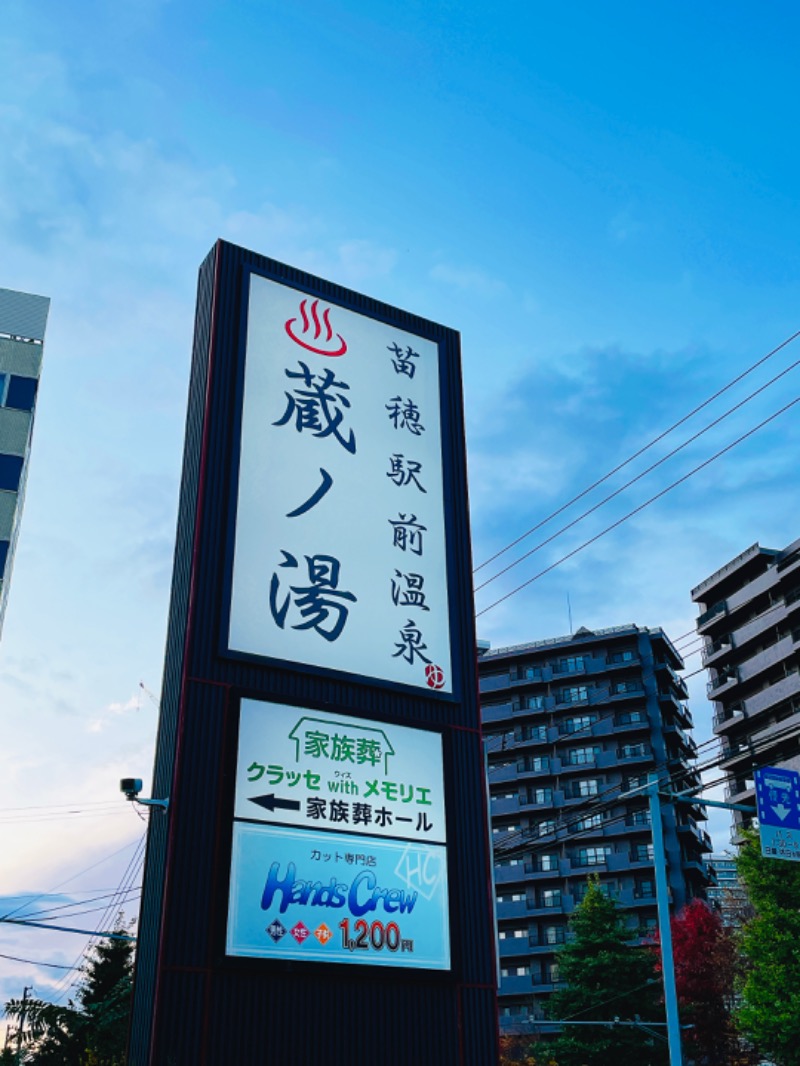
[(339, 840), (339, 555)]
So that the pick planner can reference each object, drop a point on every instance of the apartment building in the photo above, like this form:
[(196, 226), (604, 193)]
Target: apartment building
[(750, 623), (22, 324), (571, 725)]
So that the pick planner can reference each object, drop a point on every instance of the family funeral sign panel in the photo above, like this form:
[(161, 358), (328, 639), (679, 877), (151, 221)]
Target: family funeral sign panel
[(339, 840)]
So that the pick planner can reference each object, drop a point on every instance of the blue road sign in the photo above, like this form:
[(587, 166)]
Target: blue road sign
[(778, 803)]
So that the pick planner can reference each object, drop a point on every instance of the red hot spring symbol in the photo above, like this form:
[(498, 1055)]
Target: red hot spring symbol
[(434, 675), (316, 334)]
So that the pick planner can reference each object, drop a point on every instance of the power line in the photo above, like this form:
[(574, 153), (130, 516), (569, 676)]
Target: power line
[(641, 507), (638, 477), (67, 880), (34, 962), (641, 451)]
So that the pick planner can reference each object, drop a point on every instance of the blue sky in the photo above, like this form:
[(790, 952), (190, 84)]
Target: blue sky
[(601, 198)]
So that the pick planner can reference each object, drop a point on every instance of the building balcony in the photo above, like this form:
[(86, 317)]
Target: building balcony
[(516, 908), (740, 790), (493, 682), (510, 875), (513, 946), (726, 716), (722, 683), (677, 681), (713, 614), (715, 650), (545, 982), (503, 773), (700, 836), (517, 984), (504, 805), (667, 697)]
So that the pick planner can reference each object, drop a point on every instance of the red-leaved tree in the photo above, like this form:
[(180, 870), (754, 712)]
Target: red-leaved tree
[(705, 968)]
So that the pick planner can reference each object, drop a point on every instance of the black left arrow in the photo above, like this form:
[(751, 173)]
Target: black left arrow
[(272, 801)]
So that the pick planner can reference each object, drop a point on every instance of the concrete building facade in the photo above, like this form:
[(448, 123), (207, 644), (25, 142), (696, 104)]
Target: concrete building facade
[(750, 623), (571, 725), (22, 325)]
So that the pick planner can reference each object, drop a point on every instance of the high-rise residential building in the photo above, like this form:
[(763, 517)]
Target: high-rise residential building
[(571, 725), (22, 324), (726, 892), (750, 623)]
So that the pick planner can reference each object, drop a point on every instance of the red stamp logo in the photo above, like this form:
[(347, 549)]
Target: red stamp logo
[(300, 932), (316, 333), (434, 675)]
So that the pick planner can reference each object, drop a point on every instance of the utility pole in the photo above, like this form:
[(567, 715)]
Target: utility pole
[(25, 992), (664, 928)]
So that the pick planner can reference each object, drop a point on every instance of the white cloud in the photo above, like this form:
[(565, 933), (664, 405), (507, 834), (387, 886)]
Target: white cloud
[(469, 279)]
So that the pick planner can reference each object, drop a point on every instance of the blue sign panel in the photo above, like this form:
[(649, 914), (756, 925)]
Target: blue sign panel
[(778, 803), (336, 897)]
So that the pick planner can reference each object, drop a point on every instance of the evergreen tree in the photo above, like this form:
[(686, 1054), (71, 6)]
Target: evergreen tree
[(607, 978), (770, 943), (92, 1030)]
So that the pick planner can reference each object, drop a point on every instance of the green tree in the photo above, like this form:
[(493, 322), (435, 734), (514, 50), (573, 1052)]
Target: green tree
[(607, 978), (770, 943), (91, 1030)]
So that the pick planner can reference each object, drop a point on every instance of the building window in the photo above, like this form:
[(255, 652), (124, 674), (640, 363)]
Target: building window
[(10, 472), (634, 781), (550, 898), (535, 703), (512, 934), (591, 821), (624, 656), (579, 891), (534, 764), (593, 856), (645, 889), (553, 934), (642, 853), (582, 756), (631, 718), (537, 733), (511, 897), (514, 971), (639, 817), (579, 723), (626, 686), (21, 393), (540, 795), (574, 694), (545, 863), (572, 665), (632, 751), (589, 786), (546, 827)]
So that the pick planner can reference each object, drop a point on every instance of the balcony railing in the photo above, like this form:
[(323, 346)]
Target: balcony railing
[(717, 610)]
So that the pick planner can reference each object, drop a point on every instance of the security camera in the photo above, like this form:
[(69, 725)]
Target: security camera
[(131, 787)]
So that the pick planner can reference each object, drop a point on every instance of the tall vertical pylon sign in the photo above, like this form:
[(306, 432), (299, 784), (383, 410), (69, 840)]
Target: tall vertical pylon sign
[(320, 886)]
